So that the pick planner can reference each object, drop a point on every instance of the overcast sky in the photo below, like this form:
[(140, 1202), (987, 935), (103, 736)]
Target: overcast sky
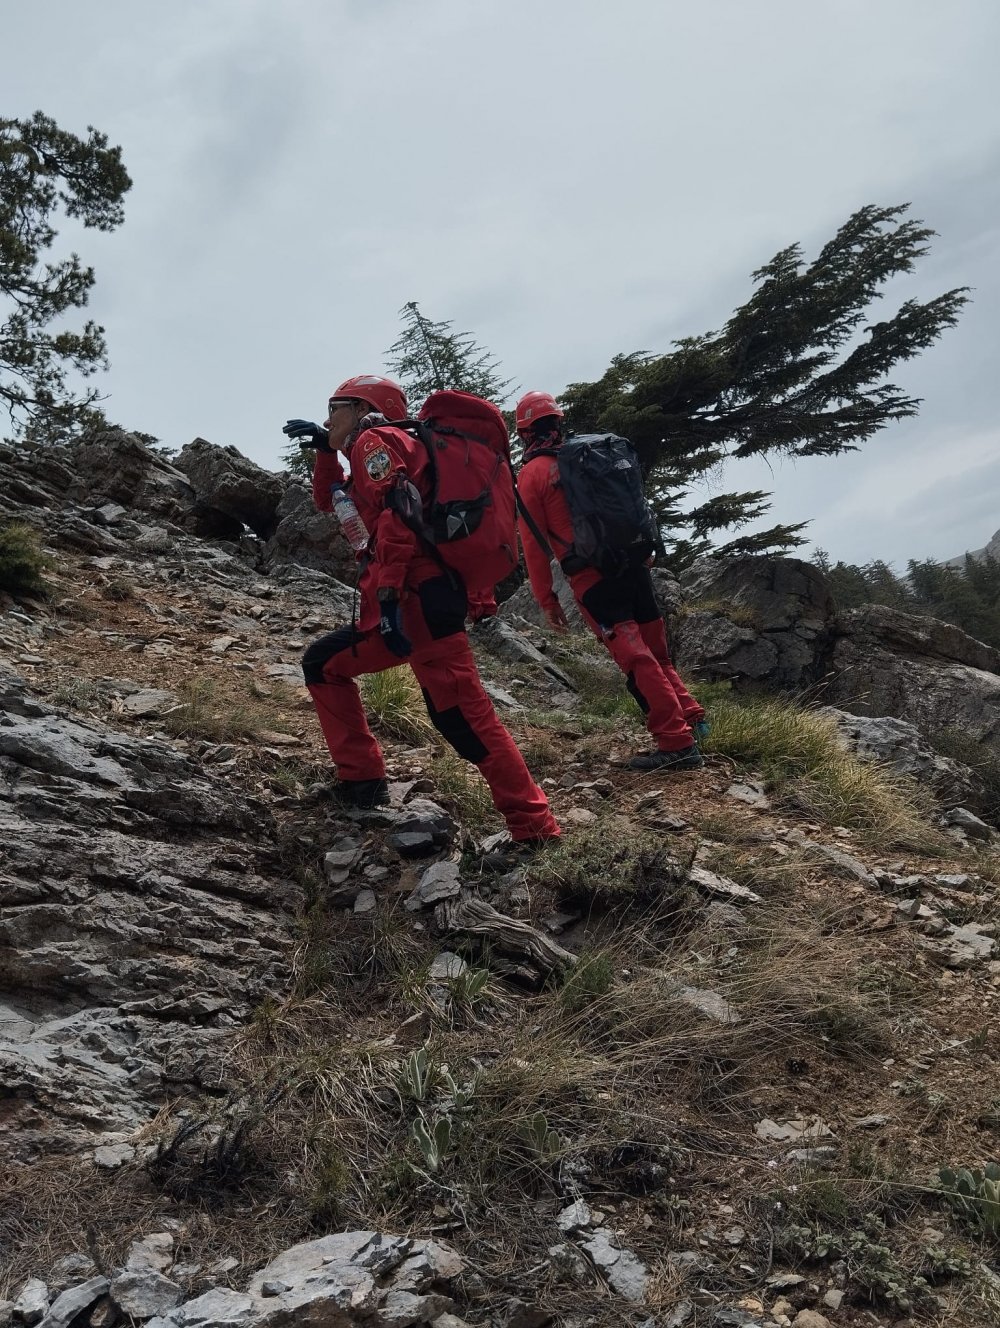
[(566, 179)]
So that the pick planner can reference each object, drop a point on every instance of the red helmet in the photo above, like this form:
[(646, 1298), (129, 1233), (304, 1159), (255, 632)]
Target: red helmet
[(535, 406), (382, 394)]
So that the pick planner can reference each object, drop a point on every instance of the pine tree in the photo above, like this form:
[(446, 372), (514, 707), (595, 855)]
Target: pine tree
[(429, 356), (44, 169), (794, 371)]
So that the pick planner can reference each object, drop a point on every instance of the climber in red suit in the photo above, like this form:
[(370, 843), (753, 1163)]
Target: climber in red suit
[(410, 610)]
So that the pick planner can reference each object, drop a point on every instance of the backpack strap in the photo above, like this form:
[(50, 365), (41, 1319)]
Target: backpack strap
[(532, 525)]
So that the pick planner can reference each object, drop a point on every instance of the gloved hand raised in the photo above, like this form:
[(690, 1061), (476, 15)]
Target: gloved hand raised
[(392, 631), (307, 433)]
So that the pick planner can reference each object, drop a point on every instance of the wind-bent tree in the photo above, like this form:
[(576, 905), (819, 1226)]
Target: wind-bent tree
[(795, 371), (429, 356), (45, 170)]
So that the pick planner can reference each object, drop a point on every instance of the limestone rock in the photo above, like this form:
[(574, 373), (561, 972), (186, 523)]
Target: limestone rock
[(439, 881), (308, 537), (834, 859), (337, 1281), (753, 618), (65, 1308), (223, 478), (153, 1253), (137, 913), (510, 645), (966, 821), (899, 744), (709, 1003), (144, 1293), (32, 1302), (799, 1130), (624, 1271), (721, 887), (885, 662)]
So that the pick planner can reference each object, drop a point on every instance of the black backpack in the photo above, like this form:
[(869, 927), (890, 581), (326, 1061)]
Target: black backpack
[(613, 526)]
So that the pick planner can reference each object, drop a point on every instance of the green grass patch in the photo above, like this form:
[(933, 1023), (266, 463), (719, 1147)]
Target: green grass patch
[(396, 706), (591, 976), (739, 614), (799, 753)]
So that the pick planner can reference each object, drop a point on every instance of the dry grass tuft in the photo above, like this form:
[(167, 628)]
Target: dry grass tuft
[(800, 756), (221, 712)]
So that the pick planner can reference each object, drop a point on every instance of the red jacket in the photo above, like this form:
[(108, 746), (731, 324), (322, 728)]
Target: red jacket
[(396, 558), (539, 490)]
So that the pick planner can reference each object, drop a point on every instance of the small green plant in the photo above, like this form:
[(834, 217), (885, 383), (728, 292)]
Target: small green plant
[(395, 705), (590, 977), (540, 752), (541, 1140), (601, 688), (330, 1180), (421, 1076), (974, 1194), (872, 1265), (469, 988), (22, 561), (434, 1141)]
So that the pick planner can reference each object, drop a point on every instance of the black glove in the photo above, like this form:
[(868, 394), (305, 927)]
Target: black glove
[(392, 632), (308, 434)]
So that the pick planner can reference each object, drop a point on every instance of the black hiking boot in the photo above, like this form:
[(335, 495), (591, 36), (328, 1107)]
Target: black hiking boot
[(363, 794), (688, 758)]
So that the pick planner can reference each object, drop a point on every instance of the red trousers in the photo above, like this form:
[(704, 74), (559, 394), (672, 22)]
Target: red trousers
[(459, 708), (623, 613)]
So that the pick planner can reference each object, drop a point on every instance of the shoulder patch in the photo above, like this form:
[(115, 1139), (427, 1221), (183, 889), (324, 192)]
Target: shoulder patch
[(378, 464)]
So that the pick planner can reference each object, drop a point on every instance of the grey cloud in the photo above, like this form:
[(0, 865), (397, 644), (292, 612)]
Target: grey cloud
[(566, 180)]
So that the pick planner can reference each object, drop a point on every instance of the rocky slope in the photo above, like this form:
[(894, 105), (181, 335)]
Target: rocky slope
[(261, 1064)]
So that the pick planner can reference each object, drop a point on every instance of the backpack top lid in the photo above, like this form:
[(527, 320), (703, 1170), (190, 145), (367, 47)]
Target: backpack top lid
[(466, 413)]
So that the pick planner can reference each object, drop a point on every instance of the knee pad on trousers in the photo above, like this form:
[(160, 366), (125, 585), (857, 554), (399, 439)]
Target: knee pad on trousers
[(320, 651), (457, 731)]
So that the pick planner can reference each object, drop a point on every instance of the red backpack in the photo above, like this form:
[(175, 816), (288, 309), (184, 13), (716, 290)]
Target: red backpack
[(468, 520)]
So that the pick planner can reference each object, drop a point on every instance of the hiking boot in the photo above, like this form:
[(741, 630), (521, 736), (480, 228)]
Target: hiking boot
[(363, 794), (688, 758)]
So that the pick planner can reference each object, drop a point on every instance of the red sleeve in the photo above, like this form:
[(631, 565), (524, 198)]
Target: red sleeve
[(377, 459), (327, 471), (532, 483)]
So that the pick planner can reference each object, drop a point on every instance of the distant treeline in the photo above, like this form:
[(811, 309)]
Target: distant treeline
[(968, 596)]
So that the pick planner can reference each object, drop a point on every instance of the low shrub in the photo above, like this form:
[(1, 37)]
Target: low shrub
[(22, 561)]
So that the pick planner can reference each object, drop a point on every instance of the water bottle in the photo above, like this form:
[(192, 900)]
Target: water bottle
[(350, 521)]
